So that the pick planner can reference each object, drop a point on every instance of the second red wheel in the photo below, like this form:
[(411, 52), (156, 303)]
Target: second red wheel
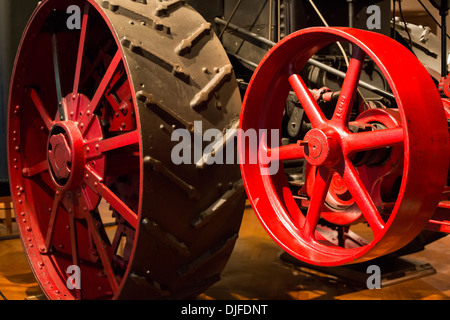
[(341, 161)]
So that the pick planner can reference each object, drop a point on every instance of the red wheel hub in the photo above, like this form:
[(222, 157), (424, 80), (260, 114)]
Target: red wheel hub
[(321, 147), (60, 156), (66, 155)]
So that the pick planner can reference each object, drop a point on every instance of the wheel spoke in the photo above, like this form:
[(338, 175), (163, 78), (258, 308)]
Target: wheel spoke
[(288, 152), (88, 115), (320, 190), (52, 220), (362, 197), (283, 153), (364, 141), (102, 252), (309, 104), (74, 247), (97, 185), (96, 148), (61, 108), (349, 87), (116, 241), (82, 42), (73, 240), (36, 169), (91, 67), (41, 109)]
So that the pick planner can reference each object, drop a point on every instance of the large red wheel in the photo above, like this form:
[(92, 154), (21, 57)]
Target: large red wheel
[(103, 211), (404, 149)]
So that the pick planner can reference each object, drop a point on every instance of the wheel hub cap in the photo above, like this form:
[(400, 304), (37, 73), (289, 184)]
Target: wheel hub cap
[(60, 156), (321, 149), (65, 154)]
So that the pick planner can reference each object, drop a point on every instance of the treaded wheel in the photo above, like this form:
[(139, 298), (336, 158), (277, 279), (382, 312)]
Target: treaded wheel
[(90, 124), (346, 166)]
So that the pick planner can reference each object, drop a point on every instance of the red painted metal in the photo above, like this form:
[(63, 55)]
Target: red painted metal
[(330, 149), (66, 156), (378, 178), (440, 221), (60, 167)]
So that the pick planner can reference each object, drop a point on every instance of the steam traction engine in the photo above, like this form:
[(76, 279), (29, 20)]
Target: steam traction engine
[(364, 150)]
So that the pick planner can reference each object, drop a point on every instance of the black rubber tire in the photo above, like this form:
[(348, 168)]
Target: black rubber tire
[(190, 217)]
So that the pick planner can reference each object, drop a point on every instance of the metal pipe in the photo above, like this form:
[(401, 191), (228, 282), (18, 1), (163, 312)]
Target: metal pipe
[(270, 18), (5, 73), (351, 13), (249, 63), (279, 19), (341, 74), (247, 35), (256, 39), (231, 17), (5, 59), (394, 32), (444, 55)]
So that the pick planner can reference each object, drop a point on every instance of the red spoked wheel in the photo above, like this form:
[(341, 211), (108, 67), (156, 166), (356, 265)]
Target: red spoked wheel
[(103, 212), (383, 167)]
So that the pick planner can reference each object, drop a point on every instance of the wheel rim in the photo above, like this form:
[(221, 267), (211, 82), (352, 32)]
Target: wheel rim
[(58, 192), (330, 147)]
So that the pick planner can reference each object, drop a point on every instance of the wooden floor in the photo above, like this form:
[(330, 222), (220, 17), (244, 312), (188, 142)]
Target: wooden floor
[(255, 271)]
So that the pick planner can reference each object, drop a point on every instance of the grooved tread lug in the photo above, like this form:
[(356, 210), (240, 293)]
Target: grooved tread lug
[(207, 92), (169, 69), (144, 280), (158, 166), (151, 22), (139, 49), (167, 238), (187, 44), (207, 256), (164, 112), (166, 7), (219, 206)]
